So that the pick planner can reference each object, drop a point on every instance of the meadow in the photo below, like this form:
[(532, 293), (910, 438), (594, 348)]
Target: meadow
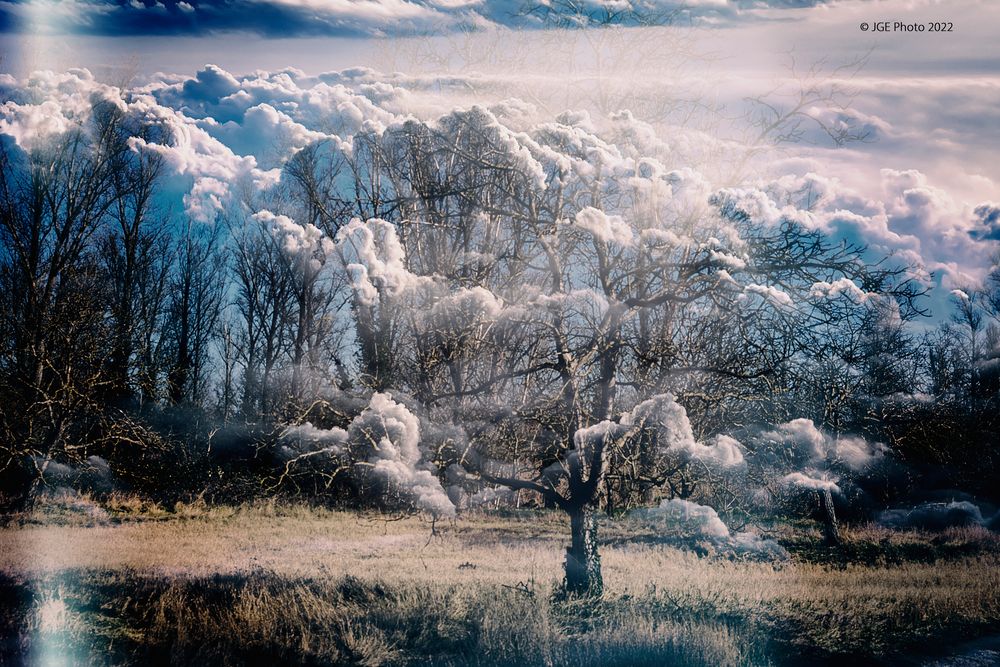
[(128, 582)]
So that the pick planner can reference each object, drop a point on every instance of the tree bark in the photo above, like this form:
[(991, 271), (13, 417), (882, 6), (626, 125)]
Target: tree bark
[(583, 562), (830, 528)]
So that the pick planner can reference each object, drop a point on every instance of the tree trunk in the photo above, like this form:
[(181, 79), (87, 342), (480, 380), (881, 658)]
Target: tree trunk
[(830, 528), (374, 358), (583, 563)]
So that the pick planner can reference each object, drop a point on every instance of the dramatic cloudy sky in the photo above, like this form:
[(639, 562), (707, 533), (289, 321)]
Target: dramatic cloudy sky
[(924, 183), (297, 18)]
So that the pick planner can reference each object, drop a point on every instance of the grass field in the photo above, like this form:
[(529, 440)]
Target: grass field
[(130, 583)]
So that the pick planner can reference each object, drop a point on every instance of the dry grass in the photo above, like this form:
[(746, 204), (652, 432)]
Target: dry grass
[(261, 618), (300, 585)]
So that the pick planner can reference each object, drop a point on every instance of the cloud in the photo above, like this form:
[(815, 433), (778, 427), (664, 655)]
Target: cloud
[(333, 103), (31, 125), (674, 434), (838, 125), (604, 227), (232, 133), (284, 18), (275, 18), (841, 286), (987, 215), (813, 481), (211, 166), (689, 517), (456, 310), (809, 445), (917, 223), (384, 443), (391, 435), (375, 260), (204, 168), (305, 244), (776, 296), (48, 104), (691, 520), (266, 134)]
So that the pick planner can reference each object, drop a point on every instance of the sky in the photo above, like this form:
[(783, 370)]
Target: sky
[(341, 18), (924, 182)]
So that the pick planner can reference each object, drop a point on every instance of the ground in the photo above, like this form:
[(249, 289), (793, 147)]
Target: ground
[(127, 582)]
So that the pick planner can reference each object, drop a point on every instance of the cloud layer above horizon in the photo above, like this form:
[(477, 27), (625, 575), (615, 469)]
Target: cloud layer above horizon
[(231, 129), (923, 184)]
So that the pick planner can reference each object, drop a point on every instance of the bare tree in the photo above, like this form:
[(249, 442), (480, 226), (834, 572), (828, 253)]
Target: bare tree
[(263, 303), (594, 298), (195, 304), (131, 251), (54, 201)]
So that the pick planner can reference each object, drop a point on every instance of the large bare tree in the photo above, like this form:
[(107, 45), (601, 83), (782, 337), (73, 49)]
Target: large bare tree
[(556, 293)]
